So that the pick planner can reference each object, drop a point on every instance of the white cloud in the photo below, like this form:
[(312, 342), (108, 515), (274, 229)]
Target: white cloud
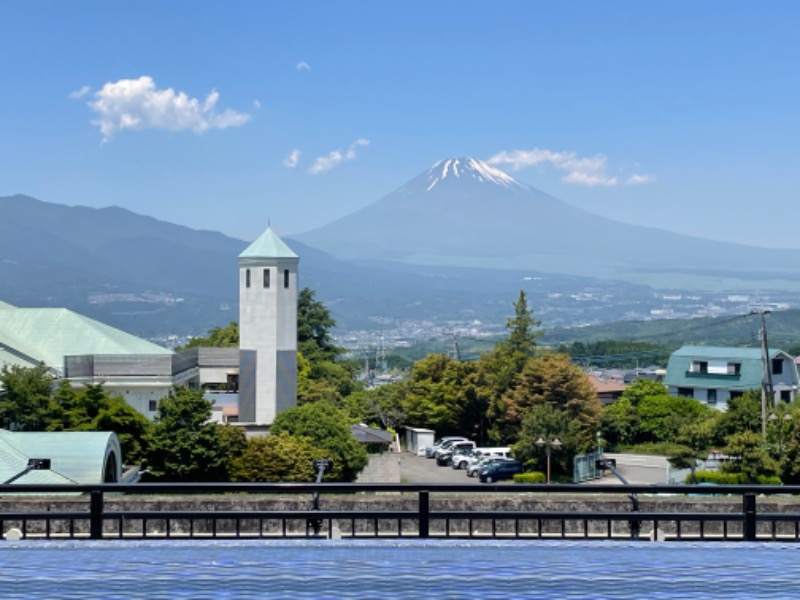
[(256, 103), (639, 179), (303, 66), (327, 162), (293, 158), (589, 171), (138, 104), (79, 93)]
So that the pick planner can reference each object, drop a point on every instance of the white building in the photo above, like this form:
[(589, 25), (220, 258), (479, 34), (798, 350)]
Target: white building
[(86, 351), (267, 330), (263, 370)]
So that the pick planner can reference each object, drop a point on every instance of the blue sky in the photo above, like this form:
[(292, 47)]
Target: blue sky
[(224, 115)]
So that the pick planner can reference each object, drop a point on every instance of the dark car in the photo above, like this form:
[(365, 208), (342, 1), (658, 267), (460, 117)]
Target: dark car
[(500, 470)]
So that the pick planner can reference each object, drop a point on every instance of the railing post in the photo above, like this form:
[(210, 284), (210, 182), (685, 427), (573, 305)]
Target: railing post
[(424, 514), (749, 509), (96, 514)]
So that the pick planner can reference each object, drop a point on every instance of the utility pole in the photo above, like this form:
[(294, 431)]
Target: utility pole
[(456, 350), (767, 394)]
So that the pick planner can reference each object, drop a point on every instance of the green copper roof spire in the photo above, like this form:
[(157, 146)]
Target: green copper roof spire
[(268, 245)]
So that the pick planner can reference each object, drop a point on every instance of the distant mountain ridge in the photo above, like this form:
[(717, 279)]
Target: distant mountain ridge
[(464, 212), (150, 277)]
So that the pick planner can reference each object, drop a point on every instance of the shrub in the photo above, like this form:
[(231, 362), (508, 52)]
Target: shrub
[(719, 478), (534, 477)]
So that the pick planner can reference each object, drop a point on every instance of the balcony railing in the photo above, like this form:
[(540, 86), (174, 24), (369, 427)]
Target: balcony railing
[(718, 376), (181, 511)]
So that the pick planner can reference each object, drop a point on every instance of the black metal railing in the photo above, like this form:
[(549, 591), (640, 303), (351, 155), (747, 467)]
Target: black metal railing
[(181, 511)]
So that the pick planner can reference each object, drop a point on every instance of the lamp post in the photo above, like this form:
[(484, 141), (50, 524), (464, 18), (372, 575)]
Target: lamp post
[(548, 446), (773, 418)]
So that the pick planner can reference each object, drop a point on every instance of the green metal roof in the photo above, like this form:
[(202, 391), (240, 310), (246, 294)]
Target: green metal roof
[(679, 368), (49, 334), (76, 456), (268, 245), (721, 353)]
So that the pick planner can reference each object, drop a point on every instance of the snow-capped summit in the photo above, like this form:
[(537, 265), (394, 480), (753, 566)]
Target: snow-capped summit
[(469, 167), (465, 212)]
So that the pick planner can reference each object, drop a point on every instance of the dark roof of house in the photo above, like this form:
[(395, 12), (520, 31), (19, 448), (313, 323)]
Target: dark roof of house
[(370, 435)]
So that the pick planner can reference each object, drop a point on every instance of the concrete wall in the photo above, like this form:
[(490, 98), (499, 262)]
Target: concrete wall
[(381, 468)]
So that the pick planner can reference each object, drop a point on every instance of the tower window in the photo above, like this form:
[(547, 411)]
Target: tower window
[(286, 278), (266, 278), (247, 278), (777, 366)]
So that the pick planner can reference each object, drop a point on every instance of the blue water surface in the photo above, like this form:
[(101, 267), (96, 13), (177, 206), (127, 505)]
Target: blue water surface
[(410, 569)]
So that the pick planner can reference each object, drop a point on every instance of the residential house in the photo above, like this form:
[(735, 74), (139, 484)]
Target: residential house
[(714, 375)]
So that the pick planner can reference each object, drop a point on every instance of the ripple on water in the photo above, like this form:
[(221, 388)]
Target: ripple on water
[(400, 569)]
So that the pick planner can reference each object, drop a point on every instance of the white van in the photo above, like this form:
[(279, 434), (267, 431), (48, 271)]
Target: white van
[(465, 462), (502, 452)]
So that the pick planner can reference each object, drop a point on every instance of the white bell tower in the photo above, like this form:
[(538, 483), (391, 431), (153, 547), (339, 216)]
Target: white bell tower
[(267, 329)]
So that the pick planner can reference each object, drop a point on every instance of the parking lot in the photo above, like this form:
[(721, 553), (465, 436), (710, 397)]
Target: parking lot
[(418, 469)]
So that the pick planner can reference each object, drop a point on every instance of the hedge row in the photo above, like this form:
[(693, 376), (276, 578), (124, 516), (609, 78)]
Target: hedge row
[(731, 478)]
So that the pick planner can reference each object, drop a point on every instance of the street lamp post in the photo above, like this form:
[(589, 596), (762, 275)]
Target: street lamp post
[(548, 446)]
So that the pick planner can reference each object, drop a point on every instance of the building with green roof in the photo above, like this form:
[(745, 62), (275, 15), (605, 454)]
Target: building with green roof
[(714, 375), (268, 272), (85, 351)]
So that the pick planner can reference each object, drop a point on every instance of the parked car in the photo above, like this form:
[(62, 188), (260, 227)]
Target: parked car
[(445, 455), (462, 459), (500, 470), (465, 462), (451, 445), (474, 469), (430, 451)]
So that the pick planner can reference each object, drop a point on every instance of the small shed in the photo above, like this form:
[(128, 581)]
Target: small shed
[(418, 439)]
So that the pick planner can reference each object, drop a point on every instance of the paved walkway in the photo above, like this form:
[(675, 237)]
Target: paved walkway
[(418, 469)]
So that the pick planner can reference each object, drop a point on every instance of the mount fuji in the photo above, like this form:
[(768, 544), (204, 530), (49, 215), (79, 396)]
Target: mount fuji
[(464, 212)]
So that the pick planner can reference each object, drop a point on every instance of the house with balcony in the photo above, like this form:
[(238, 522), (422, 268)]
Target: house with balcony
[(714, 375)]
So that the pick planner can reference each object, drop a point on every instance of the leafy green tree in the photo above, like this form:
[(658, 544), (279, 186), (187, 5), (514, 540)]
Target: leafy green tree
[(552, 379), (620, 424), (233, 441), (547, 421), (743, 414), (429, 402), (92, 408), (184, 445), (790, 461), (661, 417), (641, 389), (219, 337), (25, 400), (684, 457), (694, 440), (498, 369), (329, 429), (278, 457), (314, 325), (748, 456), (381, 406)]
